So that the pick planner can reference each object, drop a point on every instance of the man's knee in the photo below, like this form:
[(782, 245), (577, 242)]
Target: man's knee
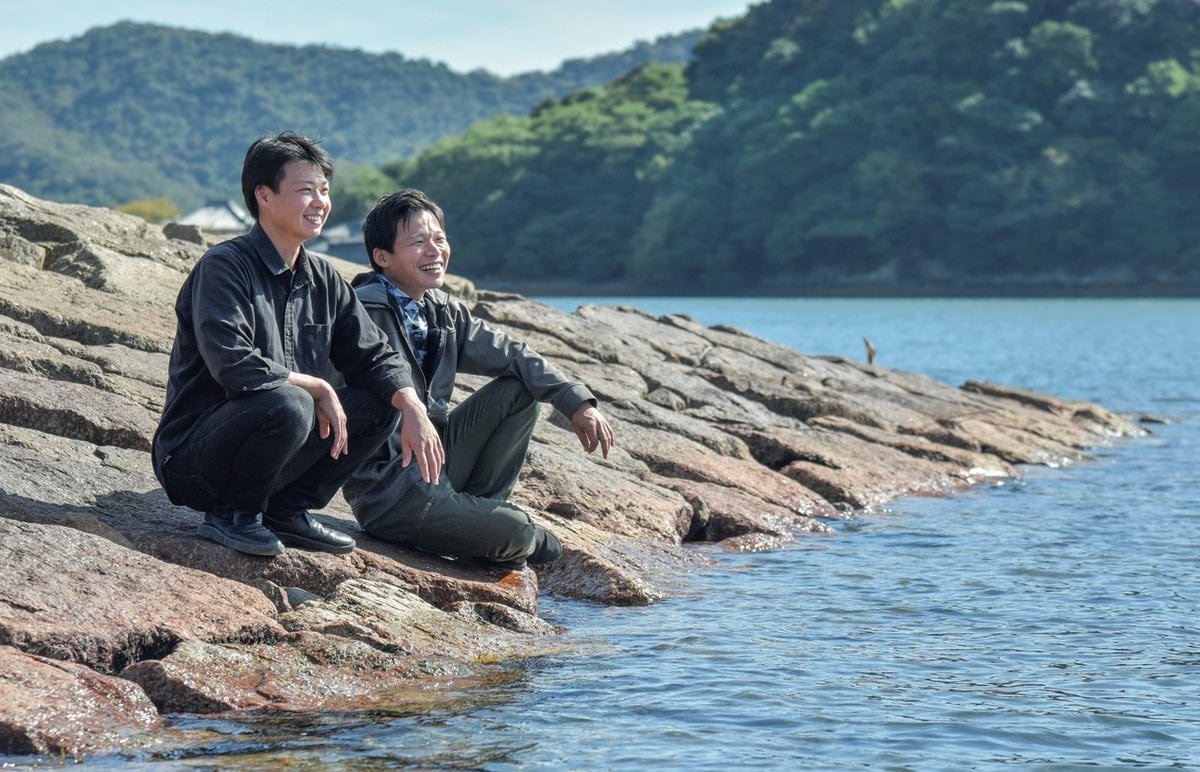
[(469, 526), (514, 536), (286, 409), (367, 412), (528, 542), (510, 390)]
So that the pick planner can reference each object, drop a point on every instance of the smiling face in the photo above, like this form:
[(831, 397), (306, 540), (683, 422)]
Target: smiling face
[(417, 260), (298, 210)]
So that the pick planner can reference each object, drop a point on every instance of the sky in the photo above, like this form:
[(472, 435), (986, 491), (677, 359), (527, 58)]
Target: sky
[(502, 36)]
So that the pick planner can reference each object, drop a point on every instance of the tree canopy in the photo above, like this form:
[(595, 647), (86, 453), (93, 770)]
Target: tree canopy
[(808, 146), (819, 143)]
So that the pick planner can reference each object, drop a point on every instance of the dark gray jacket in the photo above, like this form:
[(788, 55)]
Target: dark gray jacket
[(460, 343)]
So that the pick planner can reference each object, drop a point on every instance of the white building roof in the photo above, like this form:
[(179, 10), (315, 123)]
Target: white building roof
[(219, 217)]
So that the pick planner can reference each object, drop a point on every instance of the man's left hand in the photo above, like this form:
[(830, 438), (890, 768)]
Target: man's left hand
[(593, 429)]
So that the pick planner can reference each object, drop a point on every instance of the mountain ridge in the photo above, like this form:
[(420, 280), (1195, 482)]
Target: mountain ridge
[(123, 112)]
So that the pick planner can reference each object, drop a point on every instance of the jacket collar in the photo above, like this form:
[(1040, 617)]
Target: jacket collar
[(371, 290)]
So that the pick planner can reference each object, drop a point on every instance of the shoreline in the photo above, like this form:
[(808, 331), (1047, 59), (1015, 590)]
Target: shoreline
[(725, 439), (789, 286)]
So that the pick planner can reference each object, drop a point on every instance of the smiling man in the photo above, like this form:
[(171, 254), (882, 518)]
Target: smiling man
[(465, 512), (251, 433)]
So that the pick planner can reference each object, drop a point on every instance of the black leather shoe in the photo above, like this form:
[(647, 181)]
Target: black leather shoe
[(306, 533), (241, 531), (546, 547)]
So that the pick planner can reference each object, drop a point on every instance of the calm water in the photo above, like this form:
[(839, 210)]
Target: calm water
[(1050, 622)]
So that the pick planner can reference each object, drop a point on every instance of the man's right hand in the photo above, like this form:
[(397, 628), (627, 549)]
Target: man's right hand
[(419, 438), (330, 417)]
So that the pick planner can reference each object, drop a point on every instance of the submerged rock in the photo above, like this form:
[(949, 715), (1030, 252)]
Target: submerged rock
[(113, 611)]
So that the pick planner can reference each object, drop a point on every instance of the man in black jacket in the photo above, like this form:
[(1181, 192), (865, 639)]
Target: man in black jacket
[(251, 434), (465, 512)]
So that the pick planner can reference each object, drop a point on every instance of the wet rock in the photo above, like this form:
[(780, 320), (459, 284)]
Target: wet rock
[(731, 513), (55, 708), (391, 619), (301, 671), (605, 568), (367, 646)]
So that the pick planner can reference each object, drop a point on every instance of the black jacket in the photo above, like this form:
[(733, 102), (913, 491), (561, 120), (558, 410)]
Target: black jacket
[(245, 321)]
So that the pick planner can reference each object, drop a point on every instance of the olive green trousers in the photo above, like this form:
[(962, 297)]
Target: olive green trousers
[(466, 513)]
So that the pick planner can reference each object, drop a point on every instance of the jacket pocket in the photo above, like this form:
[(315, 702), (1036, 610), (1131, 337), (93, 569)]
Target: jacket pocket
[(312, 354)]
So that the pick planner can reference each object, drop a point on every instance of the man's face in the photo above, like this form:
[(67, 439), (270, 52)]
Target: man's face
[(418, 258), (301, 207)]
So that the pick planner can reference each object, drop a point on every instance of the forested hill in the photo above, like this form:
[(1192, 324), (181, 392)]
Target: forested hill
[(890, 145), (137, 111)]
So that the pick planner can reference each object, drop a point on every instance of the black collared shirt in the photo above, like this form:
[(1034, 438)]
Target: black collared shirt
[(245, 321)]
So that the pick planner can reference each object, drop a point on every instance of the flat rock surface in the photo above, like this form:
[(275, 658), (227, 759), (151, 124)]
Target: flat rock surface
[(79, 597), (113, 611)]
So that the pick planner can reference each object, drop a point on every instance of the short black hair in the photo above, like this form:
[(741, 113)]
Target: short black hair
[(379, 229), (267, 156)]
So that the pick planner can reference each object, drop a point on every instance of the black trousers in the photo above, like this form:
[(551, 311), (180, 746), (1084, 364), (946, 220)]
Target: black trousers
[(263, 452)]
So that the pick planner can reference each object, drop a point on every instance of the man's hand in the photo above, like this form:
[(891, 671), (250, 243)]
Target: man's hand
[(330, 416), (418, 436), (593, 429)]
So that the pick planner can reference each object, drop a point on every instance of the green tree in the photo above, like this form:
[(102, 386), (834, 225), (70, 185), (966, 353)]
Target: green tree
[(566, 187), (356, 188), (811, 143)]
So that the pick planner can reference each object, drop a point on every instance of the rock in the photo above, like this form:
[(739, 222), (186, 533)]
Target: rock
[(602, 567), (570, 485), (64, 307), (60, 230), (303, 671), (74, 410), (181, 232), (112, 609), (731, 513), (367, 646), (77, 597), (56, 708), (390, 618)]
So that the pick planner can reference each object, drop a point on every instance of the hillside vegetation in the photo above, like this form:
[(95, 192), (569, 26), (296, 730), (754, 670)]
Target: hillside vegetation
[(853, 146), (143, 112), (874, 145)]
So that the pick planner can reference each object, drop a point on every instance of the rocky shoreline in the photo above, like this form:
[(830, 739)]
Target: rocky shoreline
[(114, 613)]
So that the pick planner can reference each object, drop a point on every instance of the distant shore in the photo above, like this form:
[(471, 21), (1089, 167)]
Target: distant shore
[(782, 285), (560, 288)]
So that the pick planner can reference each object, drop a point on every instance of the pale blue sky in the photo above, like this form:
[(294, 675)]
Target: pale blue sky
[(503, 36)]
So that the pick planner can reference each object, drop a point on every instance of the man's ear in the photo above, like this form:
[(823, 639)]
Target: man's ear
[(381, 257), (262, 193)]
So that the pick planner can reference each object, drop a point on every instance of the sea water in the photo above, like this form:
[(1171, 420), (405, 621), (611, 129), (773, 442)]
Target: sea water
[(1048, 622)]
